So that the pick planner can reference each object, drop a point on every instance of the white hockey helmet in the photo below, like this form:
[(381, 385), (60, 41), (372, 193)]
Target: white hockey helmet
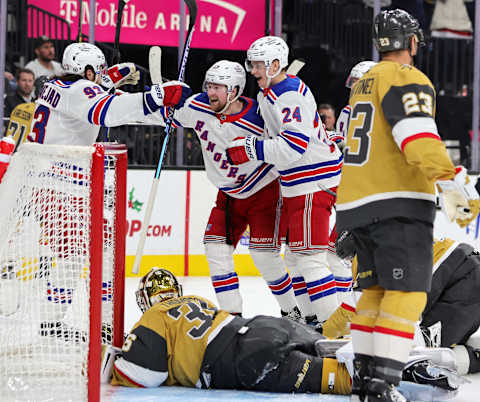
[(157, 285), (78, 56), (228, 73), (267, 49), (357, 72)]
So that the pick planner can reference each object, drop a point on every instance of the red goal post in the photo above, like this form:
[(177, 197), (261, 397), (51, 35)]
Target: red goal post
[(62, 267)]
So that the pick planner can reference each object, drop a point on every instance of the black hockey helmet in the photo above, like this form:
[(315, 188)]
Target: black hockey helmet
[(392, 30)]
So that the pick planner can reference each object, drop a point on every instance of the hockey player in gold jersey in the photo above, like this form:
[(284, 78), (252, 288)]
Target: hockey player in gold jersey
[(386, 197), (453, 301), (186, 340)]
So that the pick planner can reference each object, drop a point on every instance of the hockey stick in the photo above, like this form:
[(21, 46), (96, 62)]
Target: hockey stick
[(192, 9), (118, 26), (295, 66), (80, 9), (116, 47)]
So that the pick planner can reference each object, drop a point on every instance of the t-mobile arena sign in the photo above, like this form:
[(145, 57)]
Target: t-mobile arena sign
[(221, 24)]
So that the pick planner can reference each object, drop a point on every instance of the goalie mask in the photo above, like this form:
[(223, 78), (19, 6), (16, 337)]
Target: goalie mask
[(392, 30), (78, 56), (268, 49), (157, 286), (228, 73), (358, 71)]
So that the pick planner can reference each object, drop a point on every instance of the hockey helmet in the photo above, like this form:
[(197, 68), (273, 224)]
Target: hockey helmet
[(157, 285), (228, 73), (78, 56), (267, 49), (357, 72), (392, 30)]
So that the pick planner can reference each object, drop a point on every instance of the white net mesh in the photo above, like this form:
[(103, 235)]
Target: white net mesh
[(44, 272)]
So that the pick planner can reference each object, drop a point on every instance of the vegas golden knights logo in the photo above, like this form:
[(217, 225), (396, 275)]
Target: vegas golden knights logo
[(20, 122)]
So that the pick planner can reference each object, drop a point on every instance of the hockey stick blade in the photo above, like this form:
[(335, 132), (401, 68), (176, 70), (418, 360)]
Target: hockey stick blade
[(155, 64), (295, 66), (192, 9)]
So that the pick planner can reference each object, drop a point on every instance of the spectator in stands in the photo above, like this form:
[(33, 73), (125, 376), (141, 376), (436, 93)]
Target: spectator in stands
[(327, 114), (45, 64), (24, 92), (10, 83)]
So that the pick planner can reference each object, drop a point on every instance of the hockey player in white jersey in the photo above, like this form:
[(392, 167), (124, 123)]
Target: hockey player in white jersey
[(309, 166), (341, 128), (248, 194), (70, 109)]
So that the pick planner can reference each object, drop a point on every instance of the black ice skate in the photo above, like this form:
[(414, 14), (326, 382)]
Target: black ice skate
[(293, 315), (423, 371), (381, 391)]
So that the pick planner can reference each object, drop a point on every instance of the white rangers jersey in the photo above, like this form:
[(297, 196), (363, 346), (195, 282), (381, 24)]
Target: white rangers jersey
[(298, 145), (71, 113), (341, 128), (215, 133)]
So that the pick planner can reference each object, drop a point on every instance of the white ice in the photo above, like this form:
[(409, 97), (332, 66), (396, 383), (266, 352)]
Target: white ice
[(257, 299)]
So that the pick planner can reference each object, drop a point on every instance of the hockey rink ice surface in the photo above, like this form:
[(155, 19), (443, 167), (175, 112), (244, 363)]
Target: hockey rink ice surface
[(257, 299)]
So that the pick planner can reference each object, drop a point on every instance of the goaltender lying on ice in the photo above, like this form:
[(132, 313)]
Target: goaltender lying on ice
[(186, 340)]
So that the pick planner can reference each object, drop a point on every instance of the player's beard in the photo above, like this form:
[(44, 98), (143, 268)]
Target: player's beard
[(217, 106)]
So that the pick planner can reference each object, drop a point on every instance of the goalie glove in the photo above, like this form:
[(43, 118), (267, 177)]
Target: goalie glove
[(120, 74), (244, 149), (109, 355), (458, 198)]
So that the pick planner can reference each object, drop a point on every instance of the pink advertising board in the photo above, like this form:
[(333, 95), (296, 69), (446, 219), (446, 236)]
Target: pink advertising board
[(220, 24)]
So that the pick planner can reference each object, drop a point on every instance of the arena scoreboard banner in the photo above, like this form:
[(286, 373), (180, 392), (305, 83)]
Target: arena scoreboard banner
[(221, 24)]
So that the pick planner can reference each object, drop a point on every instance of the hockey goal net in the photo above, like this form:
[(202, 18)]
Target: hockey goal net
[(62, 256)]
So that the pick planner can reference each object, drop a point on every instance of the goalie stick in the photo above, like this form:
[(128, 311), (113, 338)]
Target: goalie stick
[(192, 9), (295, 66), (118, 26)]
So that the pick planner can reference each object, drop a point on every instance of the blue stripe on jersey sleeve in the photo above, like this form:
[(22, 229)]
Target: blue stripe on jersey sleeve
[(104, 110)]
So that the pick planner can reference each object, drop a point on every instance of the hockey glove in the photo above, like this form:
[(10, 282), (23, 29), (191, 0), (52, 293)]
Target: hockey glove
[(7, 146), (176, 93), (120, 74), (458, 198), (243, 149)]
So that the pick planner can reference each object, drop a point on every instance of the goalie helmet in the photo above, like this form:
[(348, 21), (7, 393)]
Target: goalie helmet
[(228, 73), (156, 286), (358, 71), (392, 30), (79, 56), (267, 49)]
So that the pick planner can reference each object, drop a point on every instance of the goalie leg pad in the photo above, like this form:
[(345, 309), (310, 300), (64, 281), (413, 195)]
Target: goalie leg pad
[(272, 268), (224, 277)]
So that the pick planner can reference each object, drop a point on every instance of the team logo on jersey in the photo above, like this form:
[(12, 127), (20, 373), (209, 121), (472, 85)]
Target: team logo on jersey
[(397, 273), (133, 203)]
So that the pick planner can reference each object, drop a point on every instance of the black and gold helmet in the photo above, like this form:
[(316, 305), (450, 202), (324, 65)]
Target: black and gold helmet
[(156, 286), (392, 30)]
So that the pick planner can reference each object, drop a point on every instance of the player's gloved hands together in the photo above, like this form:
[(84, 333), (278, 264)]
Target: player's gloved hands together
[(171, 94), (458, 198), (176, 93), (120, 74), (244, 149)]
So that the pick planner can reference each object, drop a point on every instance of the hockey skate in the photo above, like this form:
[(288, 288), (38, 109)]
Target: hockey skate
[(423, 371), (312, 321), (379, 390), (293, 315)]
